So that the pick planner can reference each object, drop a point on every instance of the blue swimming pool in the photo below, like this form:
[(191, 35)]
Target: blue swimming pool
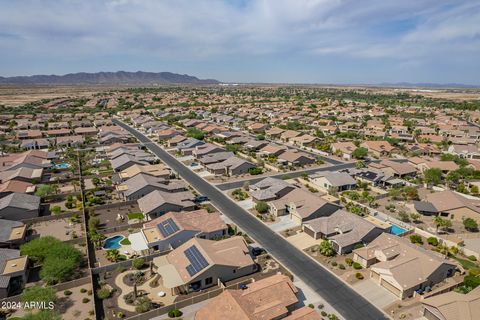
[(113, 242), (396, 230), (62, 165)]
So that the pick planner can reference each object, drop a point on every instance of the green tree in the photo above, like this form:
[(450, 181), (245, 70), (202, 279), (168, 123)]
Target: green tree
[(143, 304), (433, 176), (59, 260), (138, 263), (42, 315), (39, 294), (113, 255), (45, 190), (360, 153), (103, 293), (470, 224), (360, 164), (326, 248), (415, 238), (195, 133), (261, 207), (255, 171)]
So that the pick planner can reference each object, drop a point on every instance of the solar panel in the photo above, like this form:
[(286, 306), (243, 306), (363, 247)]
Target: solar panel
[(167, 227), (197, 260)]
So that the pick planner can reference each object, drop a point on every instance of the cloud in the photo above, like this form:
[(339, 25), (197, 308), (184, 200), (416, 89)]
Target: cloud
[(206, 30)]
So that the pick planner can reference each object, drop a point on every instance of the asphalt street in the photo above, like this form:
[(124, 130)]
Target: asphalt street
[(335, 292), (291, 175)]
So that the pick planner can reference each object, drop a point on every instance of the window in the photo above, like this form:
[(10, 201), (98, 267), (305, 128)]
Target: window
[(208, 281), (234, 271)]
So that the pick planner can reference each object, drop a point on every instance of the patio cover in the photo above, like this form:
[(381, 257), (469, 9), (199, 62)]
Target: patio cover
[(137, 241), (170, 276)]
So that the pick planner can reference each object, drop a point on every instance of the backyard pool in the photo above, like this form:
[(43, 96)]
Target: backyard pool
[(113, 243), (62, 165), (396, 230)]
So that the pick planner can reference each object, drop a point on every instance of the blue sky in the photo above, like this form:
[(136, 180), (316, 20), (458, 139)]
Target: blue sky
[(297, 41)]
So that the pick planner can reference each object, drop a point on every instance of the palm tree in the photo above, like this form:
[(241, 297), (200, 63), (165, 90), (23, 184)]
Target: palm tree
[(326, 248), (113, 255)]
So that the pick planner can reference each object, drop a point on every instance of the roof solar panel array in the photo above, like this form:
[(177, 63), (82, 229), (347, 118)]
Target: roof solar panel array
[(197, 260), (167, 227)]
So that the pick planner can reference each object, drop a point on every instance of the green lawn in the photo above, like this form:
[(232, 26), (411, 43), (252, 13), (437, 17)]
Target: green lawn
[(467, 264), (125, 241), (135, 215)]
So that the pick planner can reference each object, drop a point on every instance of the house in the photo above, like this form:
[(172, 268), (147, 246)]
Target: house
[(29, 134), (305, 140), (444, 166), (449, 204), (125, 161), (13, 271), (154, 170), (378, 148), (343, 149), (274, 132), (295, 158), (21, 174), (175, 228), (270, 298), (187, 146), (394, 168), (201, 263), (167, 134), (233, 166), (34, 159), (288, 135), (12, 233), (175, 140), (35, 144), (343, 229), (468, 151), (452, 306), (301, 206), (333, 181), (269, 189), (142, 184), (215, 157), (85, 131), (69, 141), (16, 186), (206, 149), (272, 150), (19, 206), (159, 202), (402, 267), (257, 127), (254, 145)]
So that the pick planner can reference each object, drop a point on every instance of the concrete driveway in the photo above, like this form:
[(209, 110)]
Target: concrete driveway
[(284, 223), (186, 158), (374, 293), (246, 204), (302, 241)]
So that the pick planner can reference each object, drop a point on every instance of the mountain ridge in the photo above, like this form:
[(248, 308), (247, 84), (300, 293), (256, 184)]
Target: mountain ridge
[(118, 77)]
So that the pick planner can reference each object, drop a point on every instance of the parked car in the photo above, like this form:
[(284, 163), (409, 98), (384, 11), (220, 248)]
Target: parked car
[(200, 198)]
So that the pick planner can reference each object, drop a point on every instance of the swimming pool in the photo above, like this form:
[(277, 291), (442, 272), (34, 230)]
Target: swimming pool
[(62, 165), (396, 230), (113, 242)]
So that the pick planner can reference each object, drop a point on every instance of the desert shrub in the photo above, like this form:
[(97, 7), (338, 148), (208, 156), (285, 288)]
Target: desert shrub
[(359, 276), (357, 266), (432, 241)]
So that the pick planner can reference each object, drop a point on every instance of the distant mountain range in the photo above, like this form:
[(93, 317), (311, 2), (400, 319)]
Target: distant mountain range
[(107, 78), (427, 85)]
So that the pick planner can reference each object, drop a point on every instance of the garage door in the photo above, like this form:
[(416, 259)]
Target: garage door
[(308, 231), (390, 288)]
